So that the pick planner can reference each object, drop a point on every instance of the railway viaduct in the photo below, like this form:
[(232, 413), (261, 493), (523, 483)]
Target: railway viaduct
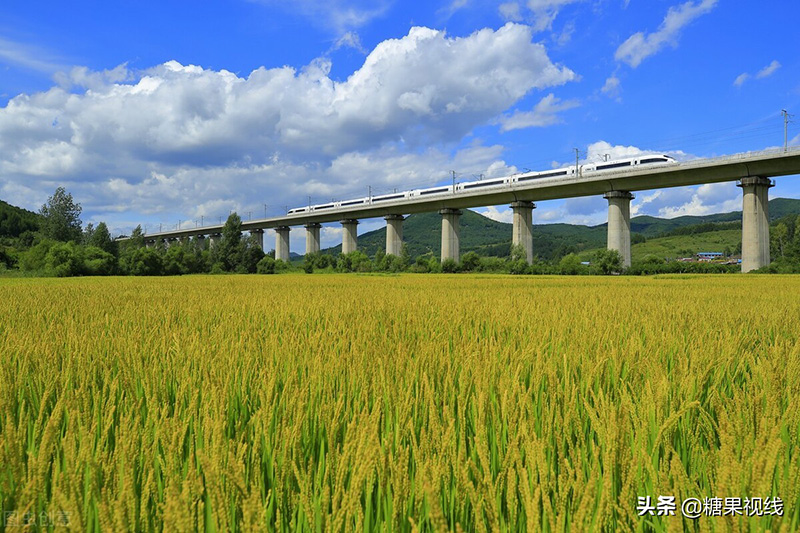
[(753, 172)]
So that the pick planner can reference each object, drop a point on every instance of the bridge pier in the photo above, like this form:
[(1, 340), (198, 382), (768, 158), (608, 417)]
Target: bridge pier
[(755, 222), (451, 233), (312, 237), (214, 239), (522, 233), (619, 223), (200, 241), (349, 235), (259, 235), (282, 243), (394, 234)]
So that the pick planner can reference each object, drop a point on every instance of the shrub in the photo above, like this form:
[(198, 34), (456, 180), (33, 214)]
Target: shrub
[(65, 259), (449, 266), (470, 262), (266, 265)]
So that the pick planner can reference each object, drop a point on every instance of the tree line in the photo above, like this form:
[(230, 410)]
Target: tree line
[(55, 243)]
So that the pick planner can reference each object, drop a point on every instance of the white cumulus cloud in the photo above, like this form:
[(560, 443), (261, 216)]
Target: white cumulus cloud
[(640, 46), (181, 138), (545, 113)]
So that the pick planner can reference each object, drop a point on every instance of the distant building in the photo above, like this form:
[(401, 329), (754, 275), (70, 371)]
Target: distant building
[(709, 256)]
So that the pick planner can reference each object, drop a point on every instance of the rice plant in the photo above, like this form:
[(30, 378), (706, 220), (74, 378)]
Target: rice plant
[(407, 403)]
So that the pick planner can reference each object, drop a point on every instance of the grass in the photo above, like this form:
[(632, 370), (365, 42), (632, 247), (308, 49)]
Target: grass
[(332, 403), (674, 246)]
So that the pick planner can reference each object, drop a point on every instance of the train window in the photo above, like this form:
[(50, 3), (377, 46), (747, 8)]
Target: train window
[(614, 165), (547, 175), (483, 184), (385, 198), (326, 206), (433, 191), (653, 160)]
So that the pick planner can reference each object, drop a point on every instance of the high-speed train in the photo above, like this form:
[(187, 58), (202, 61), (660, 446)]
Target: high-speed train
[(507, 181)]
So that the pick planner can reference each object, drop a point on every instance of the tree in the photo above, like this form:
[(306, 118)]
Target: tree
[(795, 251), (266, 265), (779, 236), (608, 261), (98, 262), (146, 262), (62, 217), (570, 264), (250, 256), (470, 261), (65, 259), (88, 231), (449, 266), (137, 237), (228, 253), (101, 238)]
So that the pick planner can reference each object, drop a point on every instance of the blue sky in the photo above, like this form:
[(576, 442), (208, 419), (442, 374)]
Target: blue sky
[(159, 112)]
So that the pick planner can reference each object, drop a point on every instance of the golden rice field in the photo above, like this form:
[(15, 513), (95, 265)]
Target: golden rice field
[(377, 403)]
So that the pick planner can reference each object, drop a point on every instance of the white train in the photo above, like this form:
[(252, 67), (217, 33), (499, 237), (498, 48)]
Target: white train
[(508, 181)]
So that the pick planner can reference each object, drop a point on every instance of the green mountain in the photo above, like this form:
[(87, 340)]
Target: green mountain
[(664, 237), (15, 221)]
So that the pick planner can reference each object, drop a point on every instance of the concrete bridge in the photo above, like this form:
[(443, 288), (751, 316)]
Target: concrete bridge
[(752, 170)]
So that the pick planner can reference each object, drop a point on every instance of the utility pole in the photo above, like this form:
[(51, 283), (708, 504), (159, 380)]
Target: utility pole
[(577, 159), (309, 201), (370, 193), (265, 210), (454, 180), (249, 215), (786, 116)]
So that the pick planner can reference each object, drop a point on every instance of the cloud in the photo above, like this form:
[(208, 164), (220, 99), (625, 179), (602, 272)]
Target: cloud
[(349, 40), (500, 214), (612, 87), (339, 16), (640, 46), (765, 72), (177, 138), (541, 14), (546, 11), (545, 113), (769, 70), (740, 79), (702, 200), (510, 11), (28, 57), (455, 5), (566, 34)]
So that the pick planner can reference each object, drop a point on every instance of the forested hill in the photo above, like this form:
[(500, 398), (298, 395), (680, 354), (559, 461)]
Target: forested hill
[(422, 232), (14, 221)]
